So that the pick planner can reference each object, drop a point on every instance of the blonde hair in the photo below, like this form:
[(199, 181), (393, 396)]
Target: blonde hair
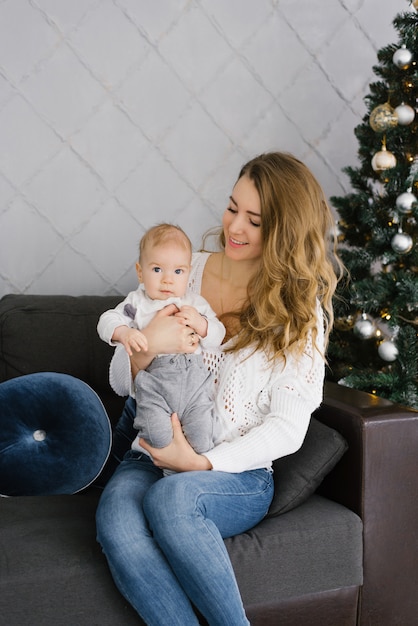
[(299, 265), (163, 233)]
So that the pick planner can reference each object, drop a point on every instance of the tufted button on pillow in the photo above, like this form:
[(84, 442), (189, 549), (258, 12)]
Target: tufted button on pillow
[(55, 435)]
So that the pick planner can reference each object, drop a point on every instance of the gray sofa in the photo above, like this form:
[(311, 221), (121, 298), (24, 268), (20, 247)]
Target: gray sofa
[(342, 552)]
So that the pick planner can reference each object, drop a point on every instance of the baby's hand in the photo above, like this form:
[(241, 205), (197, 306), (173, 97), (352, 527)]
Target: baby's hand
[(131, 339), (192, 318)]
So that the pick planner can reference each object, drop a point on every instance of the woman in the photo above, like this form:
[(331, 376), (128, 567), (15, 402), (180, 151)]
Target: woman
[(271, 284)]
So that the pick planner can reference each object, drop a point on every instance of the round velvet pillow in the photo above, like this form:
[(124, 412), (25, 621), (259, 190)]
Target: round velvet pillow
[(55, 435)]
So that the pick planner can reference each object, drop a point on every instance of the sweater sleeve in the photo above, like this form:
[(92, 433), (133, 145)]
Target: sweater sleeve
[(120, 377), (215, 334), (281, 433), (111, 319), (216, 330)]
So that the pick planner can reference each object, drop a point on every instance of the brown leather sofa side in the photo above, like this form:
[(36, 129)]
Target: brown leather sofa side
[(378, 479)]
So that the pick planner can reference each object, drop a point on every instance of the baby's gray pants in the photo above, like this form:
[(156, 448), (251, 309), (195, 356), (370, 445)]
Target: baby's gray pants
[(182, 384)]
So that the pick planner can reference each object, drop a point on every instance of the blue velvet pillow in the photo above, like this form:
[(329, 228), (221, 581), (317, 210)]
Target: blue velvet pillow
[(55, 435)]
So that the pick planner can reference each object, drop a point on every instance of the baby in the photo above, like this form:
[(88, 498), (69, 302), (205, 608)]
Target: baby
[(176, 383)]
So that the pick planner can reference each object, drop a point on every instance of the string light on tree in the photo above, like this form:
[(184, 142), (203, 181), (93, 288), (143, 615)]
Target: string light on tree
[(344, 323)]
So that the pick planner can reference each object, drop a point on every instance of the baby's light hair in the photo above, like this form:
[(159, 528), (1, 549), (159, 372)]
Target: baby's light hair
[(163, 233)]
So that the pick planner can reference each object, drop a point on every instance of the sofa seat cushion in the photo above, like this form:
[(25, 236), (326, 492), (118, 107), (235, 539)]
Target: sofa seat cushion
[(55, 435), (50, 560), (313, 548), (52, 569)]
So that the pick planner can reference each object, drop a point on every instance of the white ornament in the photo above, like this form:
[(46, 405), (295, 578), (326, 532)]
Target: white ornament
[(405, 201), (401, 243), (405, 114), (402, 58), (383, 160), (364, 328), (388, 351)]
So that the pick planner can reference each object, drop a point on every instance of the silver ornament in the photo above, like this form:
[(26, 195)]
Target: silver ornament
[(364, 328), (405, 201), (402, 58), (401, 243), (404, 114), (388, 351)]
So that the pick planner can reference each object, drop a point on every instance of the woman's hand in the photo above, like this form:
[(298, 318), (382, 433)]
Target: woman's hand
[(165, 334), (178, 455)]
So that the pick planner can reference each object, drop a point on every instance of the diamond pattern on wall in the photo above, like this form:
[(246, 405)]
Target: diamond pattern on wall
[(117, 114)]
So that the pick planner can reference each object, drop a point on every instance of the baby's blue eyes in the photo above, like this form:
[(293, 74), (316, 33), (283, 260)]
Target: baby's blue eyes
[(157, 270)]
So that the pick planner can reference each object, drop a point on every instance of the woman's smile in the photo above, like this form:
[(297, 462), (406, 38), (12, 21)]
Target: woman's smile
[(241, 222), (236, 244)]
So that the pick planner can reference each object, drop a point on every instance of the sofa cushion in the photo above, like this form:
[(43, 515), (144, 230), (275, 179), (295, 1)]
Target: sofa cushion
[(55, 435), (315, 547), (59, 336), (298, 475), (53, 572)]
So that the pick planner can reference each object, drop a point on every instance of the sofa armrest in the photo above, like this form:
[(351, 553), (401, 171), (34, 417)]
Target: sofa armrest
[(378, 479)]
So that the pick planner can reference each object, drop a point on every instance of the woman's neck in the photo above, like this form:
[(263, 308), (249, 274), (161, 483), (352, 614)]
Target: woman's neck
[(225, 283), (237, 274)]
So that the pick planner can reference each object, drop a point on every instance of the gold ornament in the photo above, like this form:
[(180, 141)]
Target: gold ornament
[(382, 118), (383, 160), (344, 323)]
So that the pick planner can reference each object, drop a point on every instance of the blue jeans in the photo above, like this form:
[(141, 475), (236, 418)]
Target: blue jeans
[(163, 539)]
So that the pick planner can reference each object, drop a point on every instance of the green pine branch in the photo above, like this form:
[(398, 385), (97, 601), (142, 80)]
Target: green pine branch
[(378, 240)]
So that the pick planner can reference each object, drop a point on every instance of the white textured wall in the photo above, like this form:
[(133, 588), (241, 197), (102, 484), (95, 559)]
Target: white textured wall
[(116, 114)]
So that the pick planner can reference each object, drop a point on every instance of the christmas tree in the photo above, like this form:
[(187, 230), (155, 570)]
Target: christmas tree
[(374, 343)]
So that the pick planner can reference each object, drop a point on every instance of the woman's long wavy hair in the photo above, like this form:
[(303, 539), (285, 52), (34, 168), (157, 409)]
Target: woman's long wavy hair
[(299, 265)]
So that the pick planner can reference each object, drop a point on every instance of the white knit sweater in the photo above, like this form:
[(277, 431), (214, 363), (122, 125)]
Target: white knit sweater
[(264, 409)]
